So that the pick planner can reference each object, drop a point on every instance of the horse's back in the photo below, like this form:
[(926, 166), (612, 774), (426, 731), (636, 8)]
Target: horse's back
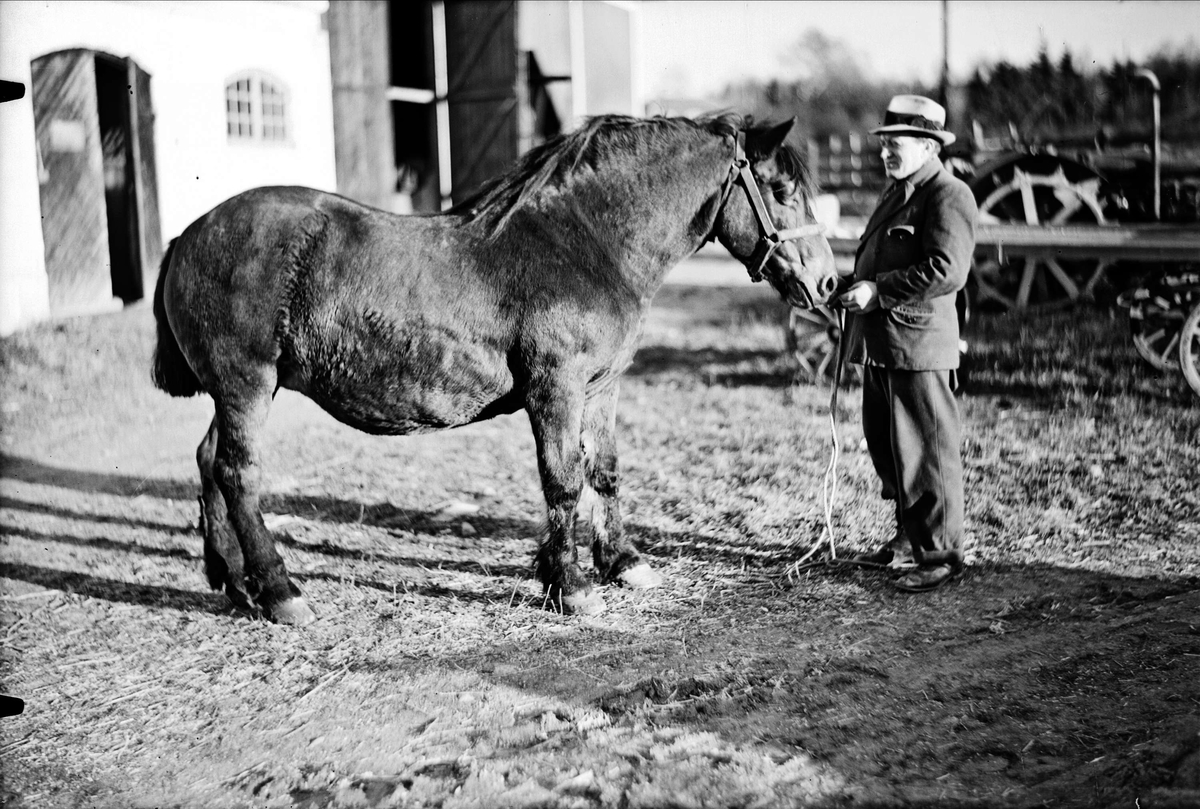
[(231, 271), (252, 230), (245, 238), (383, 320)]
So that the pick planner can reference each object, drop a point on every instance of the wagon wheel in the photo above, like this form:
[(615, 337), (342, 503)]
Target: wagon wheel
[(1189, 349), (1040, 199), (813, 337), (1156, 316)]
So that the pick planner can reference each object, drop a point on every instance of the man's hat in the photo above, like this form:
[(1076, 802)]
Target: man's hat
[(915, 115)]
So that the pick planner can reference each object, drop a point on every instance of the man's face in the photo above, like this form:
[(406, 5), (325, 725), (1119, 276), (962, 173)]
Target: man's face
[(904, 154)]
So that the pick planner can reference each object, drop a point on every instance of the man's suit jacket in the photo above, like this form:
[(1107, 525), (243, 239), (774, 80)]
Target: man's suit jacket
[(917, 248)]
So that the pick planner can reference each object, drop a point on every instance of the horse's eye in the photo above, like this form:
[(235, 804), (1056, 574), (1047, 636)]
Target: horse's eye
[(785, 193)]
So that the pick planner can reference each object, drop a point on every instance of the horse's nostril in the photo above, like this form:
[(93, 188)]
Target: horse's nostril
[(828, 284)]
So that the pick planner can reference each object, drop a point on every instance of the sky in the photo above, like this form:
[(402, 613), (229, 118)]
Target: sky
[(694, 48)]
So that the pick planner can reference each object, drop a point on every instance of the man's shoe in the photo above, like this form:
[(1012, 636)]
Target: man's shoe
[(902, 555), (896, 555), (880, 558), (925, 579)]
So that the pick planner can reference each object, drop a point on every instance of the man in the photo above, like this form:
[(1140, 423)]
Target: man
[(913, 258)]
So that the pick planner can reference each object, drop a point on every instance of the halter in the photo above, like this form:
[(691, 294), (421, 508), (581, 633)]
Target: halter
[(769, 237)]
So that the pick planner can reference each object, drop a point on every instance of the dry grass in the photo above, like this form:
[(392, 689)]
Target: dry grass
[(435, 678)]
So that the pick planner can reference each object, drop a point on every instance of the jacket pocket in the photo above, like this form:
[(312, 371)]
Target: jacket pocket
[(898, 248), (912, 314)]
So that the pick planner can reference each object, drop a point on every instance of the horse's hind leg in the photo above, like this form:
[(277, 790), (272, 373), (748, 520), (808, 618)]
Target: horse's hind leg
[(223, 562), (615, 557), (237, 470), (554, 414)]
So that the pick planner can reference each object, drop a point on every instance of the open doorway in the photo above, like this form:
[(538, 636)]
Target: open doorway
[(112, 102), (99, 202), (414, 117)]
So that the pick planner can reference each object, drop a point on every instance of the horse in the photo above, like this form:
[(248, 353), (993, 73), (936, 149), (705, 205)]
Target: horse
[(530, 294)]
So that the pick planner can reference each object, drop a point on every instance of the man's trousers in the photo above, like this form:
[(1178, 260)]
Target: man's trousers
[(913, 432)]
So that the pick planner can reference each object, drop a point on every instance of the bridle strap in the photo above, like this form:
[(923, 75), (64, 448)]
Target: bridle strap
[(735, 168), (769, 237)]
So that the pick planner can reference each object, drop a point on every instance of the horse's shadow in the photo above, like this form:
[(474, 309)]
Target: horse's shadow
[(403, 523), (164, 597), (112, 590), (326, 509), (722, 367), (28, 470)]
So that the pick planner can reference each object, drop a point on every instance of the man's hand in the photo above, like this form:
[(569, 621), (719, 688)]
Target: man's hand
[(862, 297)]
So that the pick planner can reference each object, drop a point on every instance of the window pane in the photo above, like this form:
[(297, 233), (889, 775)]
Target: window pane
[(274, 124), (255, 109), (233, 127)]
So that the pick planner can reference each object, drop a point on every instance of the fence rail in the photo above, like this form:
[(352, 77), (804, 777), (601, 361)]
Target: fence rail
[(1115, 243)]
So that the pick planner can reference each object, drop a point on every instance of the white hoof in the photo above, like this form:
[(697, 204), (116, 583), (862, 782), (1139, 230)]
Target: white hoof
[(640, 577), (587, 602), (293, 612)]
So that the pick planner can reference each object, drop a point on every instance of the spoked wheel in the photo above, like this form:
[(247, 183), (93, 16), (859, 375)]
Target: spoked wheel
[(1156, 316), (1189, 349), (813, 337), (1037, 190)]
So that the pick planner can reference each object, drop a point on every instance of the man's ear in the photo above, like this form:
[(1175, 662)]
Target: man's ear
[(766, 142)]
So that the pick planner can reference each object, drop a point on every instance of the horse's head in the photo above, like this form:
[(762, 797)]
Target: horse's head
[(766, 219)]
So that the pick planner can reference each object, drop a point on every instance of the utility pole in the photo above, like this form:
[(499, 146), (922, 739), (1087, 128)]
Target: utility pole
[(1155, 154), (944, 89)]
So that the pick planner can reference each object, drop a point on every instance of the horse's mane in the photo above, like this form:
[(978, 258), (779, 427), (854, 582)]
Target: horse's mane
[(552, 163)]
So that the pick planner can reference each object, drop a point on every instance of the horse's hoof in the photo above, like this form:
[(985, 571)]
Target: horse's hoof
[(240, 598), (584, 602), (293, 612), (640, 577)]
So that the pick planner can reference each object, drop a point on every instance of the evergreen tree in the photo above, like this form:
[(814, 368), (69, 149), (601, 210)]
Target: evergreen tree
[(1046, 101)]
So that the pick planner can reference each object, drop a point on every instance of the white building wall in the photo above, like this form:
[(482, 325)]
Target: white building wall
[(596, 43), (610, 34), (189, 48), (544, 27), (24, 295)]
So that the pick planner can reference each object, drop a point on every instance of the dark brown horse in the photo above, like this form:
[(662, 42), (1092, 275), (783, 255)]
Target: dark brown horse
[(530, 295)]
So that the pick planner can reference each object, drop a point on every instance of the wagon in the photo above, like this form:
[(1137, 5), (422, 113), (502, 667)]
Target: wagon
[(1163, 310), (1060, 224)]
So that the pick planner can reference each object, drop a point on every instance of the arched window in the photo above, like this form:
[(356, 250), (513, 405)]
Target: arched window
[(256, 108)]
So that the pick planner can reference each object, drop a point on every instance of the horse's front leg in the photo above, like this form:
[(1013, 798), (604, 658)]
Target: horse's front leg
[(555, 416), (615, 557)]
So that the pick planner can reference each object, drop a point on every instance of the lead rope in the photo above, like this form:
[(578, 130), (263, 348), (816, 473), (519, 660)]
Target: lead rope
[(830, 483)]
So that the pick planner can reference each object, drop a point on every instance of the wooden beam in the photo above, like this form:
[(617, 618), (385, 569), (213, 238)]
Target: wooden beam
[(362, 116), (1151, 243)]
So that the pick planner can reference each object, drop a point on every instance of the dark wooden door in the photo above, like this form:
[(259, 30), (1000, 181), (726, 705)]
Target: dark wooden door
[(74, 224), (99, 188), (483, 81), (113, 94)]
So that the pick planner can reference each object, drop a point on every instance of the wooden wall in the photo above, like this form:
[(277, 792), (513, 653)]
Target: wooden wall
[(485, 74), (362, 125), (74, 224)]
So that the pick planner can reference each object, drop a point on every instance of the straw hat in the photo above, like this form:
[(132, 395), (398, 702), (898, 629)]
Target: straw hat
[(915, 115)]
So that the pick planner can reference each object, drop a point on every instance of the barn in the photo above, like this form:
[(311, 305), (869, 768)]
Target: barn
[(432, 98), (137, 117)]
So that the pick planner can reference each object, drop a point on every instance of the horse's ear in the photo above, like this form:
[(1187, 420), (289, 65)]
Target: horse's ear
[(765, 143)]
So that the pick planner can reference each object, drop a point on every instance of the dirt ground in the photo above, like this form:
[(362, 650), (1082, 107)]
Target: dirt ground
[(1062, 669)]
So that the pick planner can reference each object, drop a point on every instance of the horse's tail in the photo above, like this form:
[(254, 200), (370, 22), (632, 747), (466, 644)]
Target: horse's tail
[(170, 371)]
